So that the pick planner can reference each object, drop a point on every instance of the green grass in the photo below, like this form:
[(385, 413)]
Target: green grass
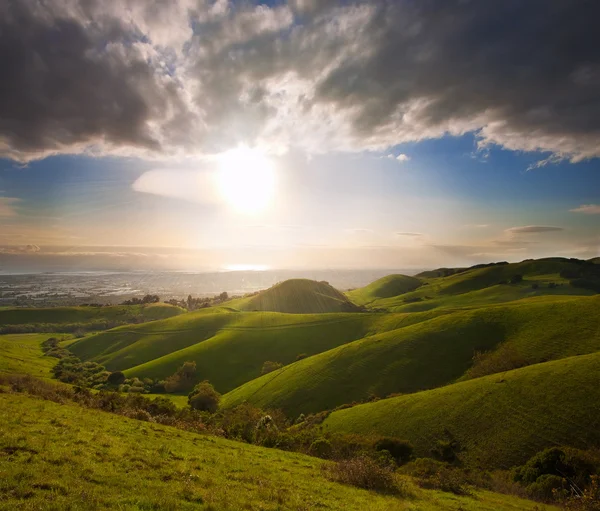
[(229, 348), (426, 355), (297, 296), (476, 287), (63, 315), (55, 457), (500, 420), (22, 353), (386, 287)]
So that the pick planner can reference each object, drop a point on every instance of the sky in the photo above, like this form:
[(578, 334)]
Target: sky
[(211, 134)]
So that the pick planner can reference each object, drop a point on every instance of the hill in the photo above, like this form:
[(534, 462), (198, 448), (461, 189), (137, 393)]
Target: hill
[(22, 354), (429, 354), (229, 348), (499, 420), (386, 287), (482, 285), (108, 461), (298, 296), (119, 314)]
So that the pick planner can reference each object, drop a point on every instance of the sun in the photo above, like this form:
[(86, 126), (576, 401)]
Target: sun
[(246, 179)]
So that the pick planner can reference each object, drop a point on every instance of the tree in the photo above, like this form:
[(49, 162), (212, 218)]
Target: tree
[(270, 366), (223, 296), (183, 379), (204, 397), (116, 378), (515, 279)]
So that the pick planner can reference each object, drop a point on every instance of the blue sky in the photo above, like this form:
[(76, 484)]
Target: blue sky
[(206, 134)]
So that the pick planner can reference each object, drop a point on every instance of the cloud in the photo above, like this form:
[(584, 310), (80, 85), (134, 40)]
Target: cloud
[(192, 77), (7, 208), (588, 209), (190, 185), (402, 158), (533, 229), (24, 249), (410, 234)]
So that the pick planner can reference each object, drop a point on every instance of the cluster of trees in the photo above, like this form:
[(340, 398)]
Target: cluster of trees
[(200, 302), (142, 301)]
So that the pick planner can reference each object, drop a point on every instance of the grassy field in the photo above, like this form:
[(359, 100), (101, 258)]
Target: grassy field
[(386, 287), (54, 315), (473, 287), (22, 353), (499, 420), (297, 296), (229, 348), (60, 456), (428, 354)]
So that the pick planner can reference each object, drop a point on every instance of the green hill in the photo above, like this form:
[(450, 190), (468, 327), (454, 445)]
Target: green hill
[(499, 420), (229, 348), (386, 287), (482, 285), (62, 456), (297, 296), (428, 354), (80, 314)]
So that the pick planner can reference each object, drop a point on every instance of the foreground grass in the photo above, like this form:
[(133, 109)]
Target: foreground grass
[(22, 353), (499, 420), (59, 456)]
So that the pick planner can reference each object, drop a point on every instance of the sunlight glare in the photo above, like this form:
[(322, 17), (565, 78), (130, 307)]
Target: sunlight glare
[(246, 179)]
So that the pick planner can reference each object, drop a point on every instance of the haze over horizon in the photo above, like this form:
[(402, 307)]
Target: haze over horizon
[(210, 134)]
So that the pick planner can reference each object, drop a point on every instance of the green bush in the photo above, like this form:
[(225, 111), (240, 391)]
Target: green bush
[(116, 378), (364, 472), (204, 397), (546, 487), (183, 379), (400, 450), (321, 448)]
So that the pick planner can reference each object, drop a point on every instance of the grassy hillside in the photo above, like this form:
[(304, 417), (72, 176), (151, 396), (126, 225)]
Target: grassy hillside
[(386, 287), (22, 353), (298, 296), (499, 420), (428, 354), (55, 456), (54, 315), (229, 348), (485, 284)]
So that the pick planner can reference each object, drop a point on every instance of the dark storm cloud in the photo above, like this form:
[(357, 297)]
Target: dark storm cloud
[(197, 76)]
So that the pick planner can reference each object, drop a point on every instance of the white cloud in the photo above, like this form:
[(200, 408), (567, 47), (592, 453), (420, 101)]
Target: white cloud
[(588, 209), (533, 229)]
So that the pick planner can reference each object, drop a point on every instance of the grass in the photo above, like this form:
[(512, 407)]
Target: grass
[(22, 353), (499, 420), (297, 296), (60, 456), (427, 354), (229, 348), (386, 287), (54, 315), (475, 287)]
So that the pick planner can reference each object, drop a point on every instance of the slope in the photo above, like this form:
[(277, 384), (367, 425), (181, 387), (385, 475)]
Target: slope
[(229, 348), (60, 315), (110, 462), (499, 420), (298, 296), (428, 354), (386, 287)]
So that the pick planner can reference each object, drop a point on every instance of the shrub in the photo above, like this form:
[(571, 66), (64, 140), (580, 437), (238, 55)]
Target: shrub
[(589, 500), (301, 356), (505, 358), (267, 432), (438, 475), (321, 448), (546, 487), (204, 397), (116, 378), (549, 461), (400, 450), (183, 379), (515, 279), (270, 366), (363, 472)]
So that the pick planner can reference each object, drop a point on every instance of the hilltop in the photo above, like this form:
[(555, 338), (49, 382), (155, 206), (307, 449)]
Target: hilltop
[(386, 287), (298, 296)]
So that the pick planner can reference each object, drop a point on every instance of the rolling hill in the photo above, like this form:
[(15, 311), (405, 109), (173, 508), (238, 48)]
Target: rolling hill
[(81, 314), (499, 420), (386, 287), (298, 296), (229, 348), (62, 456), (428, 354)]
